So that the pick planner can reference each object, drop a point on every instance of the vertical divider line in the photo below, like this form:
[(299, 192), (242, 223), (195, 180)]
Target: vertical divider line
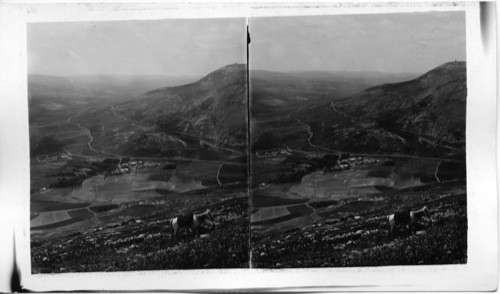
[(249, 159)]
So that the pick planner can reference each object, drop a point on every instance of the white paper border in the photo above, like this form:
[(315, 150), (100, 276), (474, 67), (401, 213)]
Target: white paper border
[(480, 273)]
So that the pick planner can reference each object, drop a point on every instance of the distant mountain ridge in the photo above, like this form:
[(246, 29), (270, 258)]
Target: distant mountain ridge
[(332, 83), (378, 77), (113, 87)]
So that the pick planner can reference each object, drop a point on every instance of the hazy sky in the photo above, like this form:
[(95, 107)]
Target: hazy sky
[(409, 42), (166, 47)]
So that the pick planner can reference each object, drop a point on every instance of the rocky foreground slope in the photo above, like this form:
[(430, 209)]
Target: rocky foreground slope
[(354, 237), (146, 243)]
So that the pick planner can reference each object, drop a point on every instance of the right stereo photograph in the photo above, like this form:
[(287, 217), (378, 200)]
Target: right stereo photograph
[(357, 140)]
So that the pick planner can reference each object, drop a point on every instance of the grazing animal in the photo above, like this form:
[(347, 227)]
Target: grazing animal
[(406, 217), (190, 220)]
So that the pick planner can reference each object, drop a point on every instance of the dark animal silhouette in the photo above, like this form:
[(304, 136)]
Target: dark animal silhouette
[(406, 217), (190, 220)]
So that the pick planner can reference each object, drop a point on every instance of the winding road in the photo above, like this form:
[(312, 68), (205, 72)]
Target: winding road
[(89, 136), (436, 173), (218, 173), (86, 131), (308, 127)]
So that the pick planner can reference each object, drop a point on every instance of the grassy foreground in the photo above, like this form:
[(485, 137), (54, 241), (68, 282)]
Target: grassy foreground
[(364, 240), (146, 244)]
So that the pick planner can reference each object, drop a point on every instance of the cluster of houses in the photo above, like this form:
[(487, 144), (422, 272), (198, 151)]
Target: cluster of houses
[(346, 163), (147, 164), (340, 166), (151, 202), (270, 153), (120, 170), (52, 157), (129, 166)]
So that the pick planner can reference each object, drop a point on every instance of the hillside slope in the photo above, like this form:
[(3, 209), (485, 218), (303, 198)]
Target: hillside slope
[(424, 116), (146, 243), (214, 107), (432, 105), (357, 236)]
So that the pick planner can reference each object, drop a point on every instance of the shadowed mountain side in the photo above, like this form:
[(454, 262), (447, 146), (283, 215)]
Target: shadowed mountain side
[(433, 105), (213, 108), (420, 117)]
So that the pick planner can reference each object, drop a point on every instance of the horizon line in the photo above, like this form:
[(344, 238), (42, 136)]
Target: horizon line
[(268, 70)]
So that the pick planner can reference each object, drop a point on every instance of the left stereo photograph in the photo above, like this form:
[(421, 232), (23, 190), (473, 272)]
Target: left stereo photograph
[(138, 145)]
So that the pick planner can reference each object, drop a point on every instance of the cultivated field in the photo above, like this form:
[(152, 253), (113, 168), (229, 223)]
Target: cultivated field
[(322, 185), (141, 191)]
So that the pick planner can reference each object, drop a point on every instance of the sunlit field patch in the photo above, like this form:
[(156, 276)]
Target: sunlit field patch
[(268, 213), (49, 217), (88, 191)]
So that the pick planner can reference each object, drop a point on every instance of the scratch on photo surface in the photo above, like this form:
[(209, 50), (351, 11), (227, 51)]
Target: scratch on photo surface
[(74, 55)]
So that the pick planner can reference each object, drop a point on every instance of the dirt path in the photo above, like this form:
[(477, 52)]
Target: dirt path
[(311, 134), (89, 136), (308, 127), (85, 130), (218, 173), (436, 173)]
